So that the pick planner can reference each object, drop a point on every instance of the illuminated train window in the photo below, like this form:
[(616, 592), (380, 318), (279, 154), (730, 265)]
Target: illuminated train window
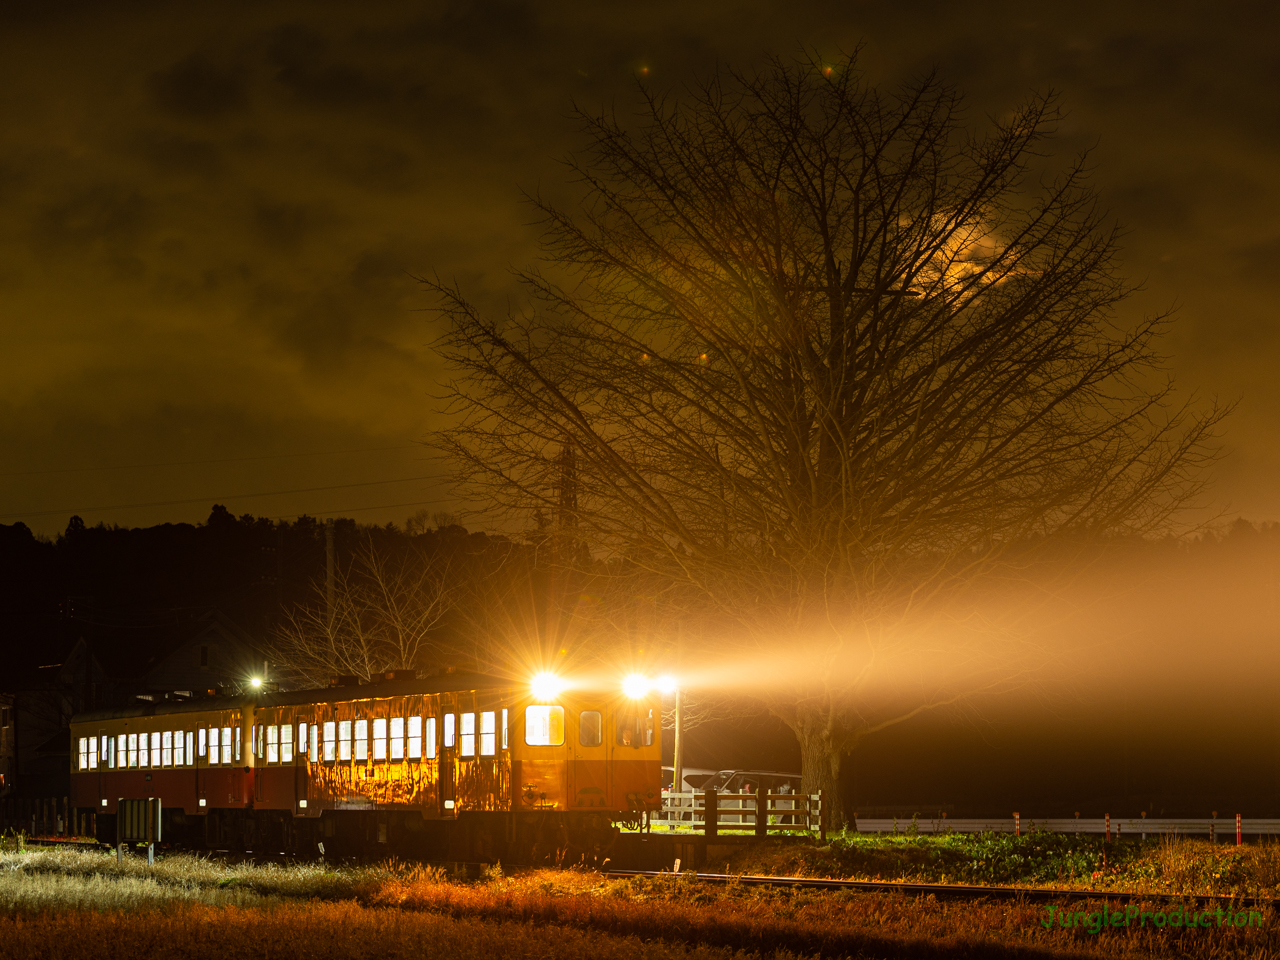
[(344, 739), (330, 742), (273, 744), (286, 743), (543, 725), (362, 740), (415, 738), (468, 738), (635, 731), (226, 744), (488, 736), (429, 738), (155, 749), (590, 728), (448, 730), (167, 748), (380, 738), (397, 738)]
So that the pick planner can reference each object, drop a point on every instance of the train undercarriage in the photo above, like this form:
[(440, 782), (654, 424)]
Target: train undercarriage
[(532, 837)]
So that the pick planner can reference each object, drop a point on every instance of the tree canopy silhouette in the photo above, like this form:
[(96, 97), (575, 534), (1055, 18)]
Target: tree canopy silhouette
[(820, 351)]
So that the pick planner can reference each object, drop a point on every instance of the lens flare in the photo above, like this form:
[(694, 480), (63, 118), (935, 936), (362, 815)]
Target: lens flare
[(256, 682), (667, 683), (546, 686), (635, 686)]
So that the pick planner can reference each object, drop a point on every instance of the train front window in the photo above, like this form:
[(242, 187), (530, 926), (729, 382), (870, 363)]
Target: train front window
[(397, 738), (505, 742), (84, 753), (380, 738), (166, 749), (361, 750), (543, 725), (330, 742), (111, 747), (144, 754), (133, 750), (200, 741), (315, 744), (93, 753), (635, 731), (448, 730), (429, 738), (226, 744), (214, 755), (488, 736), (191, 748), (590, 728), (179, 755), (273, 744), (468, 745), (155, 749), (344, 739), (286, 743)]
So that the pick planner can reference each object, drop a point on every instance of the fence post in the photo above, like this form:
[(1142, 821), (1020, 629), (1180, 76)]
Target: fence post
[(762, 811), (822, 818), (1108, 828), (1237, 829), (710, 812), (1017, 824)]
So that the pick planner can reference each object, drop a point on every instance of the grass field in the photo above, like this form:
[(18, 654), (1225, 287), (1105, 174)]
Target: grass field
[(62, 903)]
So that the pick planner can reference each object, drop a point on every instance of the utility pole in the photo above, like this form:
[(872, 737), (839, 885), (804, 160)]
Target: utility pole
[(677, 773), (328, 571)]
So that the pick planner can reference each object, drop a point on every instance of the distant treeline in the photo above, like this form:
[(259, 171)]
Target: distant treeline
[(132, 592)]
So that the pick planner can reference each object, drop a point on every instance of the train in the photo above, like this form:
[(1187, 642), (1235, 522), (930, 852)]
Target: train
[(456, 766)]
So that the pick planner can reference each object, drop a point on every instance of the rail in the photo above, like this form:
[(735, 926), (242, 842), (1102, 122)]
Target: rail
[(711, 813)]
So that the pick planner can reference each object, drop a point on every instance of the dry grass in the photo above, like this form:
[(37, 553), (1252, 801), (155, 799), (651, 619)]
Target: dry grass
[(70, 904), (315, 932)]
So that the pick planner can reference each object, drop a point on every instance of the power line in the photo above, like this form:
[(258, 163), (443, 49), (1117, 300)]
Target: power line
[(237, 496), (188, 463), (385, 506)]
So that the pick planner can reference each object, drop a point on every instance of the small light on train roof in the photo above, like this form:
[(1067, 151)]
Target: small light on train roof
[(667, 683), (546, 686), (256, 681), (635, 686)]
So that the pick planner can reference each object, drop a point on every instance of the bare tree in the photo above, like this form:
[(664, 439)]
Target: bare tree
[(379, 617), (823, 358)]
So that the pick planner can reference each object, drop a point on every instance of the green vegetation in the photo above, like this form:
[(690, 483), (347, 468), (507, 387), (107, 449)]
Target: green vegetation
[(1158, 865)]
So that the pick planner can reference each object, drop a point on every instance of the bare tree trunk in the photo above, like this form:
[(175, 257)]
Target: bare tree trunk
[(821, 752)]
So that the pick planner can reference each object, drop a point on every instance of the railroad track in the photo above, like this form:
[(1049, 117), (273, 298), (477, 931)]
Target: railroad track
[(959, 891)]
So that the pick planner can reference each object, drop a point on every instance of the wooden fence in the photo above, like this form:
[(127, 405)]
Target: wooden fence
[(711, 813), (44, 817)]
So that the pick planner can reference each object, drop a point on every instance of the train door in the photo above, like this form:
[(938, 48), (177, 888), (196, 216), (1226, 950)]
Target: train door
[(589, 784), (448, 758)]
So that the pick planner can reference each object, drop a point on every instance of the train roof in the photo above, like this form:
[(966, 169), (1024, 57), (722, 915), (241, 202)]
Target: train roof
[(443, 683)]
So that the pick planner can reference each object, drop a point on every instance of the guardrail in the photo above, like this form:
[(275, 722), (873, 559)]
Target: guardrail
[(1212, 827), (711, 812)]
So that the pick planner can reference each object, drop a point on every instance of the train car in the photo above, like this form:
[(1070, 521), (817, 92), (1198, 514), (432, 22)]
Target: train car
[(458, 766)]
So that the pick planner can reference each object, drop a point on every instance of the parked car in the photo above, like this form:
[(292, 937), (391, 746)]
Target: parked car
[(693, 778), (751, 781)]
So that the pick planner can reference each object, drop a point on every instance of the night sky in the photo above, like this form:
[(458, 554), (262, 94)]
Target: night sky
[(211, 215)]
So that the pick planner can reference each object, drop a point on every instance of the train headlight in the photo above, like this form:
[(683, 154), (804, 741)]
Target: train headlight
[(635, 686), (546, 686), (256, 681), (667, 683)]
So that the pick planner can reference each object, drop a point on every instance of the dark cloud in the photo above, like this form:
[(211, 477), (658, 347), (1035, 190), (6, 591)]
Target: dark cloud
[(108, 218), (225, 205), (198, 89)]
